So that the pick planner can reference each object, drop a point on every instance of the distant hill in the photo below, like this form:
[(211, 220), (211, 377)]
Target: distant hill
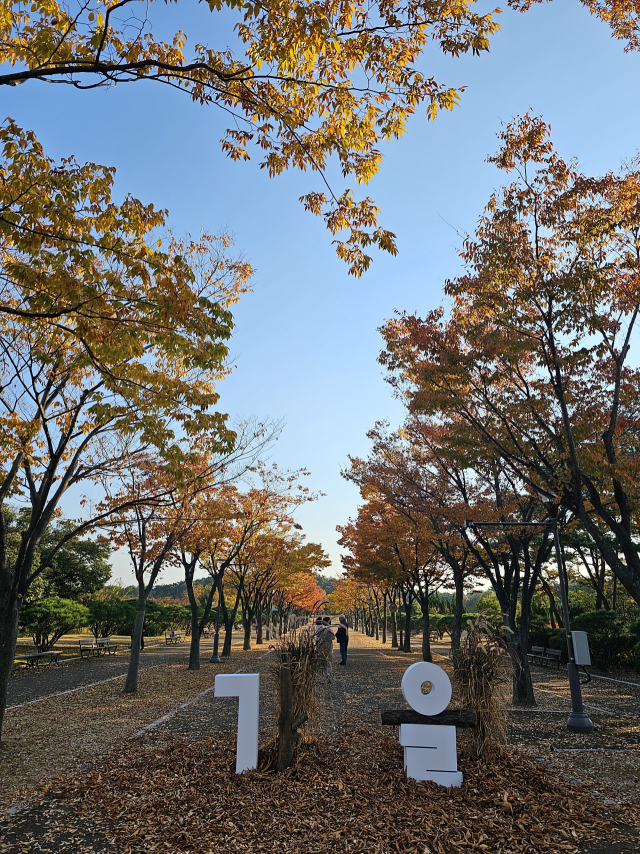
[(176, 590), (326, 583)]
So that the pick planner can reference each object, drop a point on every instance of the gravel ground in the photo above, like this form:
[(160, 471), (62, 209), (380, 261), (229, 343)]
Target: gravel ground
[(27, 685), (62, 734)]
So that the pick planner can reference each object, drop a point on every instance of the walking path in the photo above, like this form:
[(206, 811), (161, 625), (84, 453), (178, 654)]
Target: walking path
[(73, 673), (63, 718)]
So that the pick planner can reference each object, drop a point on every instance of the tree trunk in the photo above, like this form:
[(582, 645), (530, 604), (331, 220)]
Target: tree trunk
[(553, 608), (384, 621), (229, 619), (426, 643), (246, 624), (194, 648), (394, 631), (131, 684), (456, 631), (196, 627), (228, 637), (269, 613), (522, 685), (408, 601), (259, 621), (522, 694), (8, 640)]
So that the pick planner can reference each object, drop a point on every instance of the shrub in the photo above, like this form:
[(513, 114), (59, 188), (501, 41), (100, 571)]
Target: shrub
[(443, 624), (581, 602), (48, 619), (633, 631), (110, 616), (156, 618), (178, 617), (539, 632), (558, 640)]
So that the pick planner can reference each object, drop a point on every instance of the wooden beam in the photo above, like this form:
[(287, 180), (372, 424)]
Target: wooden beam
[(463, 718)]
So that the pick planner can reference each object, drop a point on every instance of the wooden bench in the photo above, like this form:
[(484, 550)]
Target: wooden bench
[(173, 637), (544, 656), (97, 646), (35, 659)]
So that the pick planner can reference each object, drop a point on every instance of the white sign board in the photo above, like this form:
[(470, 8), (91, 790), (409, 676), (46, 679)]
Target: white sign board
[(246, 687), (581, 654), (430, 752)]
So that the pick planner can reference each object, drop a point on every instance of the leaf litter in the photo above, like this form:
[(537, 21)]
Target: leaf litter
[(346, 792)]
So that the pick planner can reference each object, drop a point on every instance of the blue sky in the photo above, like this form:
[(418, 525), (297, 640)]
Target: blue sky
[(306, 342)]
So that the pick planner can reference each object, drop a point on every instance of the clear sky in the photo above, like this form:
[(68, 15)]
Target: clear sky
[(306, 340)]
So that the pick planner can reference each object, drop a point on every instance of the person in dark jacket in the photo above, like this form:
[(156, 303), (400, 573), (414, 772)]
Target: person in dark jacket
[(342, 636)]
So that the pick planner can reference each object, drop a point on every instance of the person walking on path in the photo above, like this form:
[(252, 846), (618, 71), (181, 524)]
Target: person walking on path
[(324, 644), (342, 636)]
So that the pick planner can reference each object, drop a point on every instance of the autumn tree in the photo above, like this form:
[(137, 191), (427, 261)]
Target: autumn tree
[(293, 584), (477, 487), (405, 469), (535, 356), (234, 535), (212, 544), (96, 270), (208, 543), (69, 384), (385, 544), (344, 596), (301, 83), (154, 511)]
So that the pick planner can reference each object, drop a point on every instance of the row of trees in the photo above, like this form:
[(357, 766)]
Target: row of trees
[(112, 332), (111, 610), (246, 541), (522, 405), (113, 338)]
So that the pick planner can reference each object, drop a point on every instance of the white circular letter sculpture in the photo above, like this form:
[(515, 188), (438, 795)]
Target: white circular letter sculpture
[(437, 699), (429, 751)]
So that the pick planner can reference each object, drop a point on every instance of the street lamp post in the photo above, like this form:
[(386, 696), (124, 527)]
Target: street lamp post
[(578, 720)]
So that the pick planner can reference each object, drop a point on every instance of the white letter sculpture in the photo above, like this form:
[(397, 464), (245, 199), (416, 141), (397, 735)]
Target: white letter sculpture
[(246, 687), (430, 752)]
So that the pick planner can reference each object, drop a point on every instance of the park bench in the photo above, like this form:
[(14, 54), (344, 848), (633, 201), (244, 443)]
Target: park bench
[(544, 656), (35, 659), (97, 646), (173, 637)]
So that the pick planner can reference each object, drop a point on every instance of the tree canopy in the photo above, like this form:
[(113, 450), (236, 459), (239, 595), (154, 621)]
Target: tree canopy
[(301, 83)]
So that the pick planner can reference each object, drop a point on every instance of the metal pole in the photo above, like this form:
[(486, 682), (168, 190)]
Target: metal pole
[(215, 658), (578, 720)]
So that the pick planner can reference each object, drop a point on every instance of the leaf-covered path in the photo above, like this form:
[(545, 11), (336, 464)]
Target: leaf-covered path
[(95, 727)]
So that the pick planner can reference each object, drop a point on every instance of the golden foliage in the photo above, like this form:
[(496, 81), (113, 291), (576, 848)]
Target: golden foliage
[(304, 82)]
